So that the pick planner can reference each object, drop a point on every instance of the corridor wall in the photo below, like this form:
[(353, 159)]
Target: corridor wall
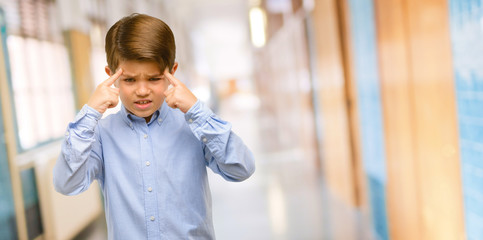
[(423, 169), (467, 46), (397, 54), (366, 76), (335, 88), (402, 190), (8, 226), (337, 161)]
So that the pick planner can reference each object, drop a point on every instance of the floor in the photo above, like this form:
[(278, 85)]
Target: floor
[(286, 198), (281, 201)]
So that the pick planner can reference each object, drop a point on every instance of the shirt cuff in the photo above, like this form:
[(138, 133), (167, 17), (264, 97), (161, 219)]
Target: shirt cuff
[(198, 114), (88, 116)]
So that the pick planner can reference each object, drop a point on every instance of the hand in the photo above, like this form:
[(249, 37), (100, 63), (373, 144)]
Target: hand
[(105, 96), (179, 96)]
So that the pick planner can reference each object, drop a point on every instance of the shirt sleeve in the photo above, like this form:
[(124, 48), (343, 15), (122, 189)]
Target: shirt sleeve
[(225, 152), (79, 162)]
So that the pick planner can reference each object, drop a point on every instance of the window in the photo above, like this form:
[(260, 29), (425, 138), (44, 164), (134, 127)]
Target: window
[(40, 73)]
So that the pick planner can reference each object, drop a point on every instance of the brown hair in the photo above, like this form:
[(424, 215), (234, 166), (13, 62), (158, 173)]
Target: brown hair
[(140, 37)]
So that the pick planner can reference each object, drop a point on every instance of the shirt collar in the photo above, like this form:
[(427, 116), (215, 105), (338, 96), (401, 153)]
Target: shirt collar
[(159, 115)]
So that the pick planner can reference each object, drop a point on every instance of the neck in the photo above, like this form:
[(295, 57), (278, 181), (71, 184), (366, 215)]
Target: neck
[(148, 118)]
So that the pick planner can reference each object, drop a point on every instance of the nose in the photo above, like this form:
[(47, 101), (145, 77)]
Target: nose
[(142, 89)]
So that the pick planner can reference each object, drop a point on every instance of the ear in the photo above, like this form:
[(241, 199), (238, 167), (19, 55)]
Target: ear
[(175, 67), (108, 70)]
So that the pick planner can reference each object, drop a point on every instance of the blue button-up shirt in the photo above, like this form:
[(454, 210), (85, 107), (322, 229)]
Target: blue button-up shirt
[(153, 175)]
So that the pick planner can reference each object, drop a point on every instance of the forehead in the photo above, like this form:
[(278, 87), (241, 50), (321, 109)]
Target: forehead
[(134, 68)]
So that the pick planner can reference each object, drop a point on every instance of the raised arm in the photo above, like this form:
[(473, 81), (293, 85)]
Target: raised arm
[(225, 152), (80, 160)]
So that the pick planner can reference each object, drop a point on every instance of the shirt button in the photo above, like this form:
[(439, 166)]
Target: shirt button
[(148, 163), (160, 119), (66, 134), (145, 136), (204, 139), (191, 120), (150, 189), (152, 218)]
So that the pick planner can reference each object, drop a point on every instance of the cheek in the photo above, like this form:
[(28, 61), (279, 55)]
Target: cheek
[(161, 88), (124, 93)]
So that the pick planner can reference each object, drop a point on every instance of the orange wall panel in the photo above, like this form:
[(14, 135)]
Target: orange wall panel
[(336, 151), (424, 183), (80, 51), (436, 124), (402, 180), (360, 176)]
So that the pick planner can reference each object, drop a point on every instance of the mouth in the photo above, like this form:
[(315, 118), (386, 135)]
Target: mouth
[(142, 104)]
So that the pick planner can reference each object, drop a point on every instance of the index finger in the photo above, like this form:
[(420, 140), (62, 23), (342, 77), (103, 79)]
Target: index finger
[(108, 82), (174, 81)]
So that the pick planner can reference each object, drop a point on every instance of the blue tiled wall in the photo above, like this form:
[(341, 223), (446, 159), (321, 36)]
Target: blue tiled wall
[(31, 203), (8, 226), (370, 115), (466, 19)]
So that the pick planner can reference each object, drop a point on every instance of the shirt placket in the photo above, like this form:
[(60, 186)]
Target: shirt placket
[(149, 184)]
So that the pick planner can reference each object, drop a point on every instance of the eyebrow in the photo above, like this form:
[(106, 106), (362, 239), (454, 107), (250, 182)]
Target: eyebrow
[(148, 75), (154, 75)]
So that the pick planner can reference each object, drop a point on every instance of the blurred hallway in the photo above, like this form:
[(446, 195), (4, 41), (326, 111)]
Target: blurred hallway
[(282, 200), (364, 116), (285, 199)]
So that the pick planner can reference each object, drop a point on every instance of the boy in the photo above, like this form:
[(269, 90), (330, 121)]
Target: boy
[(149, 158)]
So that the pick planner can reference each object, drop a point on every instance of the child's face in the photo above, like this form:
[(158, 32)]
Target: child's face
[(142, 86)]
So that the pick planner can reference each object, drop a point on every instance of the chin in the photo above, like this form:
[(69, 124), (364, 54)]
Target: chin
[(143, 115)]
